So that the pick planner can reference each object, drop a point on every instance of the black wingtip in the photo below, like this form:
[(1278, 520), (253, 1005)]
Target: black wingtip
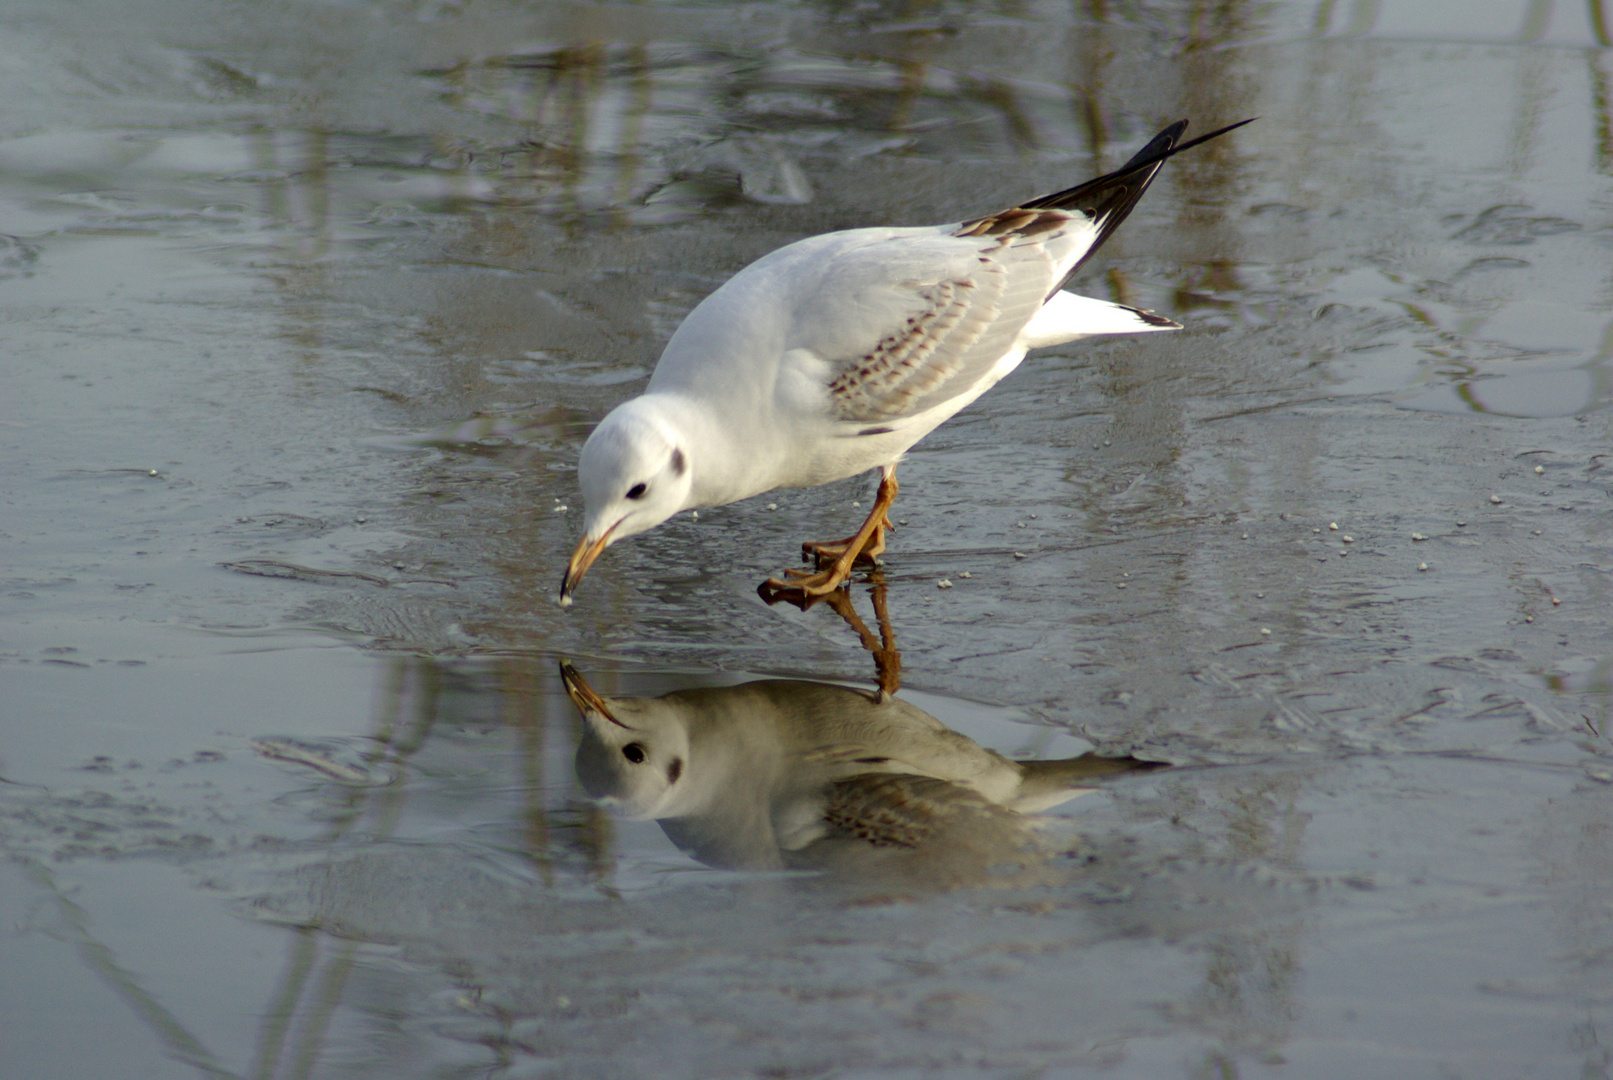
[(1191, 143), (1160, 147), (1108, 199)]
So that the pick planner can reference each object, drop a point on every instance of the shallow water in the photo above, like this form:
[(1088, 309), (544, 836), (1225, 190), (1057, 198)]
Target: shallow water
[(307, 310)]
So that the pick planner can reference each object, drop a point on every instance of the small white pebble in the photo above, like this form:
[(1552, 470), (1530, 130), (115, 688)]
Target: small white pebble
[(1332, 526), (1316, 530), (1246, 536), (1260, 596), (1495, 498), (943, 584), (1264, 632), (561, 509), (361, 520), (1347, 539), (1120, 584), (1461, 524), (966, 574), (1539, 469), (772, 506), (1422, 566), (1033, 516), (1418, 536), (1019, 554), (1555, 601), (1537, 532), (901, 521), (153, 472), (1528, 618), (1019, 524), (855, 505), (1106, 442), (1343, 552), (695, 514)]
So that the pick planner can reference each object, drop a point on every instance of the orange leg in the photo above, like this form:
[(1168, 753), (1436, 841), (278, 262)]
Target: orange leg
[(869, 541)]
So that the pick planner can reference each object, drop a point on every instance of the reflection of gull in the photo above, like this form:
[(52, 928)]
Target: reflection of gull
[(781, 773), (836, 354)]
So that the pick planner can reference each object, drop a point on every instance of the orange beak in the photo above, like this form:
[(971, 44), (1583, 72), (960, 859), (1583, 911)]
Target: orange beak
[(581, 560)]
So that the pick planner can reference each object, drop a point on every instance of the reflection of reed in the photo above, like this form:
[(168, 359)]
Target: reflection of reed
[(413, 684), (1601, 106), (608, 126), (1536, 20), (520, 692), (298, 204), (412, 702), (74, 929)]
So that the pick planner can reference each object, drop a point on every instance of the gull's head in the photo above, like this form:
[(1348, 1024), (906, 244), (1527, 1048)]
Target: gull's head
[(634, 475), (633, 754)]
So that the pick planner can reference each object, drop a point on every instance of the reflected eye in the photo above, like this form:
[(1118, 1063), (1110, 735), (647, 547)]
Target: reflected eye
[(634, 752), (636, 491)]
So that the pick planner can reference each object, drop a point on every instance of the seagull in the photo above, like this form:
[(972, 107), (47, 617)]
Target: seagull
[(788, 773), (835, 354)]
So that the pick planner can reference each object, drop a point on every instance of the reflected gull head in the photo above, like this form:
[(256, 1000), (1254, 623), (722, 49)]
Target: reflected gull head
[(790, 774), (836, 354)]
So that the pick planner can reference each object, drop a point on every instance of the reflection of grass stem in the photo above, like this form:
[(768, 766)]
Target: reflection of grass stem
[(520, 689), (1601, 105), (391, 746), (325, 1002), (1324, 18), (1536, 18), (180, 1043), (304, 948), (998, 95)]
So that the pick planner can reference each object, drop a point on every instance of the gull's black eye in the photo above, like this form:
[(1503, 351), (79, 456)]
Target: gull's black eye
[(636, 491), (634, 752)]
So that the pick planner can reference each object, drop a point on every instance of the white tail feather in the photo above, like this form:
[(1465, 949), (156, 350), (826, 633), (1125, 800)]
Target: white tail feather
[(1068, 317)]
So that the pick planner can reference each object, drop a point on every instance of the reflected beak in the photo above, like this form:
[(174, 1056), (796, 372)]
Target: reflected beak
[(582, 695), (581, 559)]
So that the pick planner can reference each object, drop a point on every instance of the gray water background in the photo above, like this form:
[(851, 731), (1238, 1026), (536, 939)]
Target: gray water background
[(308, 307)]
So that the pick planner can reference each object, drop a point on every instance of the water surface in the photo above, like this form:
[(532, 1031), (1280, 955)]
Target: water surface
[(308, 310)]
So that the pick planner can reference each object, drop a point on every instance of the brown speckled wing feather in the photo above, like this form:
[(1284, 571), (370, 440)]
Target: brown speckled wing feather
[(961, 325)]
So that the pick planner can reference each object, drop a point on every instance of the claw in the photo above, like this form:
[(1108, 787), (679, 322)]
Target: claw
[(807, 587)]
